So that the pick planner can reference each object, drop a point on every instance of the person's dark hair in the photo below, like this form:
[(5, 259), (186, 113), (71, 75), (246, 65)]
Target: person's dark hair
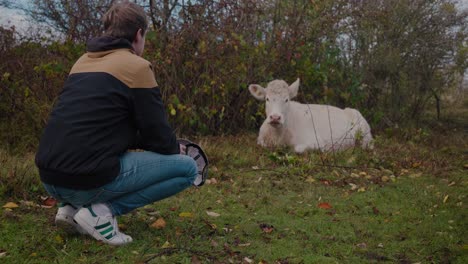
[(124, 19)]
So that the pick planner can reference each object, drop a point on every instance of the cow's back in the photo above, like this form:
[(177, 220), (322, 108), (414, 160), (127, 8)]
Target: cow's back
[(322, 126)]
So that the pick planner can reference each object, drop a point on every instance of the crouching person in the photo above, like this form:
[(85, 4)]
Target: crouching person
[(111, 103)]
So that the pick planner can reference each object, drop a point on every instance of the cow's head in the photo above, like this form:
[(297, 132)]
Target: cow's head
[(277, 95)]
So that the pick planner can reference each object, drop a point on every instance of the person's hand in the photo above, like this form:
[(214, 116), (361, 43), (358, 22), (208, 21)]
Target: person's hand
[(183, 149)]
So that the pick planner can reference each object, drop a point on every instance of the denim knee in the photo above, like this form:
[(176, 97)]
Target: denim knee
[(192, 169)]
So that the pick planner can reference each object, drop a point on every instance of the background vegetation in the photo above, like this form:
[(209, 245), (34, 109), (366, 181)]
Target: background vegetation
[(391, 59)]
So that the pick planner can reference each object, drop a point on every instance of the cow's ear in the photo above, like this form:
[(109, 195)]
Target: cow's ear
[(293, 88), (257, 91)]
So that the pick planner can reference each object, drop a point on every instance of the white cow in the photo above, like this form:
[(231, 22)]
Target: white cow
[(307, 126)]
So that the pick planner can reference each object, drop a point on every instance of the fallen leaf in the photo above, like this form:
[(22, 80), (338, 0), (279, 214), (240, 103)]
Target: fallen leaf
[(122, 226), (195, 260), (326, 182), (375, 210), (186, 214), (214, 243), (387, 171), (227, 230), (324, 205), (266, 228), (244, 245), (49, 202), (212, 214), (310, 179), (59, 239), (362, 245), (362, 189), (159, 224), (178, 231), (213, 181), (385, 178), (213, 226), (446, 198), (354, 175), (246, 259), (153, 213), (415, 175), (3, 254), (353, 186), (404, 171), (255, 168), (10, 205), (166, 245)]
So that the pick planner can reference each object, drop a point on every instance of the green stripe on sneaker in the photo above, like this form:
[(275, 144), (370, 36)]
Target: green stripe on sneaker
[(91, 211), (109, 236), (107, 230), (103, 225)]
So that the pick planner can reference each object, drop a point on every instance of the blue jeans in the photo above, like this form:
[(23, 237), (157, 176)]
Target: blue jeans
[(145, 177)]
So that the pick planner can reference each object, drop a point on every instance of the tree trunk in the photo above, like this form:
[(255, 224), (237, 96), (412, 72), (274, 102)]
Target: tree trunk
[(437, 98)]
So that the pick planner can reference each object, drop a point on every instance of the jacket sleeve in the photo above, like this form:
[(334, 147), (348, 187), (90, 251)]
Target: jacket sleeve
[(154, 131)]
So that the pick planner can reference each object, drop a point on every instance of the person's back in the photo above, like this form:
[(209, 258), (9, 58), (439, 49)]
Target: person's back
[(97, 116), (111, 103)]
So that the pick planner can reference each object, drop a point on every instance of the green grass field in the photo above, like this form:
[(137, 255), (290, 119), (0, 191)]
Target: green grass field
[(403, 202)]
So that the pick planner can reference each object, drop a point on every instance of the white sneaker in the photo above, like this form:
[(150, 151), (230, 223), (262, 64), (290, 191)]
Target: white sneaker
[(64, 220), (101, 227)]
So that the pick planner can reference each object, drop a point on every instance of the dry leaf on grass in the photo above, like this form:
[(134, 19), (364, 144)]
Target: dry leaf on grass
[(310, 179), (195, 260), (266, 228), (48, 202), (248, 260), (10, 205), (446, 198), (212, 214), (159, 224), (166, 245), (186, 214), (324, 205)]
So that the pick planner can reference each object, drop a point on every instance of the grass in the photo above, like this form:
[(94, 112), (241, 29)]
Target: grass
[(403, 202)]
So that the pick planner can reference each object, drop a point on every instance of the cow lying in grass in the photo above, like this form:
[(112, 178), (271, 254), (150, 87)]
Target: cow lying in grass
[(307, 126)]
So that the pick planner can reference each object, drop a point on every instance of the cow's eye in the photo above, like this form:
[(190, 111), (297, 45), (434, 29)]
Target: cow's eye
[(268, 99), (286, 100)]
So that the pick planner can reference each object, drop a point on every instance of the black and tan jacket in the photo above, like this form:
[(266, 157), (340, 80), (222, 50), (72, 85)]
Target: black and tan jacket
[(110, 103)]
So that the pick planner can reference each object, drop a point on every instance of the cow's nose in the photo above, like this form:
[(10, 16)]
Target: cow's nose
[(275, 118)]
